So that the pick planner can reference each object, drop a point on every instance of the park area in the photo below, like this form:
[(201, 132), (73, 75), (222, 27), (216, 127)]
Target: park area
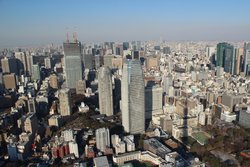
[(201, 137)]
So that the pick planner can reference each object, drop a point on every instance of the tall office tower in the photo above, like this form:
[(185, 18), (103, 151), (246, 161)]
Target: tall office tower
[(118, 49), (247, 58), (125, 45), (88, 61), (9, 65), (105, 91), (238, 59), (153, 101), (133, 97), (107, 59), (117, 93), (97, 61), (10, 81), (167, 81), (73, 148), (47, 63), (29, 63), (226, 57), (210, 51), (102, 139), (136, 45), (35, 72), (108, 45), (73, 63), (65, 103), (220, 54), (22, 62), (247, 62), (229, 60)]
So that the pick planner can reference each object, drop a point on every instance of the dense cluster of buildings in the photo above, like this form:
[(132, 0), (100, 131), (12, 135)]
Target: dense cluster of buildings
[(157, 89)]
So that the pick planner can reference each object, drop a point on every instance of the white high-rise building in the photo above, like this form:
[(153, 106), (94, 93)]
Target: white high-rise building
[(68, 135), (102, 139), (105, 91), (210, 51), (133, 97), (47, 62), (73, 149)]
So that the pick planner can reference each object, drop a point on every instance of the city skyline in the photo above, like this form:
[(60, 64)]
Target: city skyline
[(31, 24)]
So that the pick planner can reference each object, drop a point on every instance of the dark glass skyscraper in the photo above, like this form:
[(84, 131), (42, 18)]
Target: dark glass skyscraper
[(73, 63), (226, 57), (247, 58)]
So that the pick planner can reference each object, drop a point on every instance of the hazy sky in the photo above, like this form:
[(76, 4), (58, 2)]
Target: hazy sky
[(37, 22)]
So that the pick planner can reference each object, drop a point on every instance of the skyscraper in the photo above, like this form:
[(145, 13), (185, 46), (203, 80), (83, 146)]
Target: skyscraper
[(153, 100), (125, 45), (65, 104), (10, 81), (47, 62), (105, 91), (136, 45), (247, 62), (35, 72), (238, 57), (107, 59), (73, 63), (88, 60), (9, 65), (247, 58), (102, 138), (226, 57), (30, 62), (133, 97), (22, 62), (210, 51)]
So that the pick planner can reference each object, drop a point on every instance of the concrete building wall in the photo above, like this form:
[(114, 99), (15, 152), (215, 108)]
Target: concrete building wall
[(133, 100), (105, 91)]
